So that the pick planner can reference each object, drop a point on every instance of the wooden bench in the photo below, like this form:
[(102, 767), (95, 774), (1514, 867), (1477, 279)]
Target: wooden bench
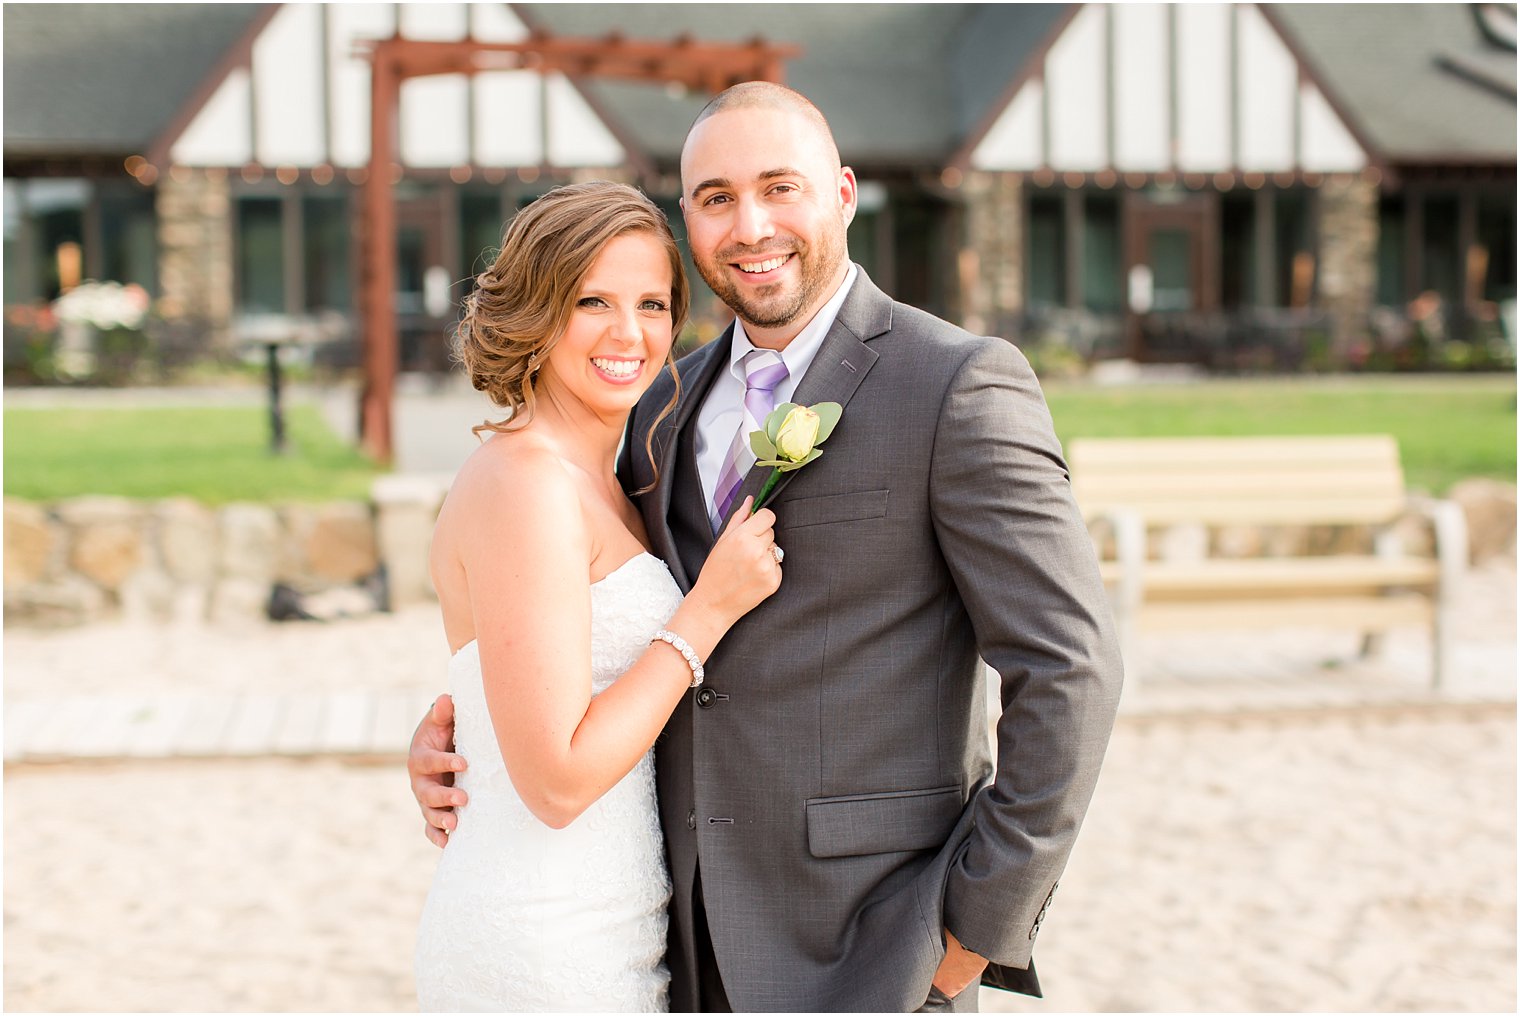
[(1139, 485)]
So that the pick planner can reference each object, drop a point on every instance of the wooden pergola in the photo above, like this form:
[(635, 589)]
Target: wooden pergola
[(701, 66)]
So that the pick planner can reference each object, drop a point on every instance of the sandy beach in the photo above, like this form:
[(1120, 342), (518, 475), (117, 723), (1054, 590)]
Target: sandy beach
[(1337, 859), (1225, 866)]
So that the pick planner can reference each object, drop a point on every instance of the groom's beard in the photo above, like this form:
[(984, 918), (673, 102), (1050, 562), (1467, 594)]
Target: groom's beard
[(818, 263)]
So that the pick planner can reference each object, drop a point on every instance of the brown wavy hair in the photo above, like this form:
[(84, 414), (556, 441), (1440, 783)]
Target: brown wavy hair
[(522, 303)]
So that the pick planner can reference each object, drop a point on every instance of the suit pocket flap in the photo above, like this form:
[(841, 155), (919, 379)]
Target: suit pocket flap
[(879, 823), (816, 511)]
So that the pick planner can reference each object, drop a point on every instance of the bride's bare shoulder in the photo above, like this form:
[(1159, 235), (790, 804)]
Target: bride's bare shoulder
[(512, 481)]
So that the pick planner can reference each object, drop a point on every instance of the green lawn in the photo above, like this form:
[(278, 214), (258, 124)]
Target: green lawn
[(1447, 428), (214, 455)]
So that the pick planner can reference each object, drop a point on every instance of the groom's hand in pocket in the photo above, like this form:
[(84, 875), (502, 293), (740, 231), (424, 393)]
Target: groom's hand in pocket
[(431, 764), (960, 969)]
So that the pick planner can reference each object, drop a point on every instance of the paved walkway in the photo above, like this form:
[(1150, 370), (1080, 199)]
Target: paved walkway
[(1244, 678)]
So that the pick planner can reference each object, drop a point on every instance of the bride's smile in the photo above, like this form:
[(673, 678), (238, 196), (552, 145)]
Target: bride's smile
[(619, 332)]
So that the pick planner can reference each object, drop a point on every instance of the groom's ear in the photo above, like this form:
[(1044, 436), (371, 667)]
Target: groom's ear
[(848, 194)]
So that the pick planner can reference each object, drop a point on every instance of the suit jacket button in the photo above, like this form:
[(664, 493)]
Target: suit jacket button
[(691, 820), (706, 697)]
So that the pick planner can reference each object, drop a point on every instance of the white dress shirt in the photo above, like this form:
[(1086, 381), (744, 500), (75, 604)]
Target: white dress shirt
[(723, 411)]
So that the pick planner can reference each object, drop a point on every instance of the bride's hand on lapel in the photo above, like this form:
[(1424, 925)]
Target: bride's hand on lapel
[(743, 568)]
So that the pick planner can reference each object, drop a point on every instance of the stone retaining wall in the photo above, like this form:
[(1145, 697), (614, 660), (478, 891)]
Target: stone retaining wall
[(89, 558), (92, 557)]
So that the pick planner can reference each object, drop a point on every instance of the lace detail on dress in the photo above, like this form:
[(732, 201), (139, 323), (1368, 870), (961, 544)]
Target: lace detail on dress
[(527, 918)]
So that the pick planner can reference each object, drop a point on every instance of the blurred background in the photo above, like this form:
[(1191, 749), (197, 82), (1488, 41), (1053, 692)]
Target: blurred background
[(230, 414)]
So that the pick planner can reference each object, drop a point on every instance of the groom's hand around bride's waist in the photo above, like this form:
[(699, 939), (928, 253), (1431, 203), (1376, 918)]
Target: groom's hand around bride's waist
[(431, 763)]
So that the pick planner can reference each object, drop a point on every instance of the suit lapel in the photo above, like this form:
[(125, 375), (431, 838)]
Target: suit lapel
[(700, 371), (841, 364)]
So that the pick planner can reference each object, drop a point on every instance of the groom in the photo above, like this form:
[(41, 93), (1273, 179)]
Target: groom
[(838, 836)]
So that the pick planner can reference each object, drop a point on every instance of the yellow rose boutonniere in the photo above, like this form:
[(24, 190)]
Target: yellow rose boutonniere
[(791, 438)]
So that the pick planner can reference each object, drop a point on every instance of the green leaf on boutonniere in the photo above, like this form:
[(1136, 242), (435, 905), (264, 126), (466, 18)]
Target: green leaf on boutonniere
[(828, 418), (761, 445), (787, 465)]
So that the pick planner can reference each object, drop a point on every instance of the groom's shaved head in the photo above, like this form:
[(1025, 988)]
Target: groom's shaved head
[(769, 95)]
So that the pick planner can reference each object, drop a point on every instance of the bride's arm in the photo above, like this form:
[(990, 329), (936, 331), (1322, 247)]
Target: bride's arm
[(526, 565)]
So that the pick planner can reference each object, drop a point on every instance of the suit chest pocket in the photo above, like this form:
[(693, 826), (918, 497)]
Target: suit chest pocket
[(820, 511)]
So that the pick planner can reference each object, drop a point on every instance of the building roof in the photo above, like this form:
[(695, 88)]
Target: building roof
[(900, 83), (1423, 82), (91, 79), (903, 84)]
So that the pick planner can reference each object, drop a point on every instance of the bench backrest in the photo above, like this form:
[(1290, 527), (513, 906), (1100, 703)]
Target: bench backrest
[(1225, 480)]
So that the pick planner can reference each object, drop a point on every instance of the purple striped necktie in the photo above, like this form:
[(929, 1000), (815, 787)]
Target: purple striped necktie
[(763, 371)]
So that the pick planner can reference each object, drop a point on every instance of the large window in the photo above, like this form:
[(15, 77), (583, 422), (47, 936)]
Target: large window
[(1441, 261), (1293, 284), (129, 236), (328, 275), (295, 252), (1496, 236), (1391, 251), (480, 229), (1102, 262), (1237, 250), (1047, 252), (44, 238), (60, 232), (260, 255)]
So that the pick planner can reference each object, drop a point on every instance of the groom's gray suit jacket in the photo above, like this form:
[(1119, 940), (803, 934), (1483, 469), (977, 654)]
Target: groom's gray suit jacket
[(832, 777)]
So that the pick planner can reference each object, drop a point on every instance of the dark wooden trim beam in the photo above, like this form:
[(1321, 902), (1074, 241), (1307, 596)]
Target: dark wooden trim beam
[(92, 236), (1264, 227), (1467, 239), (293, 251), (1073, 224)]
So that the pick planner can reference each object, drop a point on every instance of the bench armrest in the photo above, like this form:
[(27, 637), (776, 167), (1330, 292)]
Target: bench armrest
[(1128, 528), (1449, 524)]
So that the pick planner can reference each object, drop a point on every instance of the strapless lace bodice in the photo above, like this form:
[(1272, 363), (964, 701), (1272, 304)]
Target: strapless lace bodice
[(524, 917)]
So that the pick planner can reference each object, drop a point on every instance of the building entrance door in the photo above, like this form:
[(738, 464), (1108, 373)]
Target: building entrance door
[(1171, 261), (425, 306)]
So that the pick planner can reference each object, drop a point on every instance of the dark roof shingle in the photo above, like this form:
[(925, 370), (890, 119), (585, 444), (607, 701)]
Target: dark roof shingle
[(108, 78), (1389, 64), (900, 83)]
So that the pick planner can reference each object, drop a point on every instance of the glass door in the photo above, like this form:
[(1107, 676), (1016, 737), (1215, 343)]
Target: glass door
[(1172, 276), (425, 310)]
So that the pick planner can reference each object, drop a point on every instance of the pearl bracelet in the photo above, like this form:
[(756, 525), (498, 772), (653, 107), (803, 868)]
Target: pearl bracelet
[(681, 646)]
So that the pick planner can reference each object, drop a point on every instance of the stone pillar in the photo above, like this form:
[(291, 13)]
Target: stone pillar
[(1348, 230), (195, 251), (992, 262), (406, 507)]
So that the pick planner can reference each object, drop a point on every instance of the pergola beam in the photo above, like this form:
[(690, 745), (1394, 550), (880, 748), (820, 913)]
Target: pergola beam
[(700, 66)]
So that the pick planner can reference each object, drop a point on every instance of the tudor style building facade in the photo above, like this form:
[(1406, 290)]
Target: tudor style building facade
[(1242, 185)]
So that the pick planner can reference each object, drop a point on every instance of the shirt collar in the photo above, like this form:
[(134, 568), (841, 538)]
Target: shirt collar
[(798, 354)]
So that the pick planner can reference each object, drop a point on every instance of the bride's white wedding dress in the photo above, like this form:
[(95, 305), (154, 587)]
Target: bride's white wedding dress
[(528, 918)]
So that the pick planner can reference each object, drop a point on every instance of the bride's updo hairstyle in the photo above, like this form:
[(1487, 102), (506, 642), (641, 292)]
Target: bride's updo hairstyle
[(523, 302)]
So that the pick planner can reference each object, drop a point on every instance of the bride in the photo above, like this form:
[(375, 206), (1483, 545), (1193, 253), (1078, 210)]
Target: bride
[(571, 643)]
